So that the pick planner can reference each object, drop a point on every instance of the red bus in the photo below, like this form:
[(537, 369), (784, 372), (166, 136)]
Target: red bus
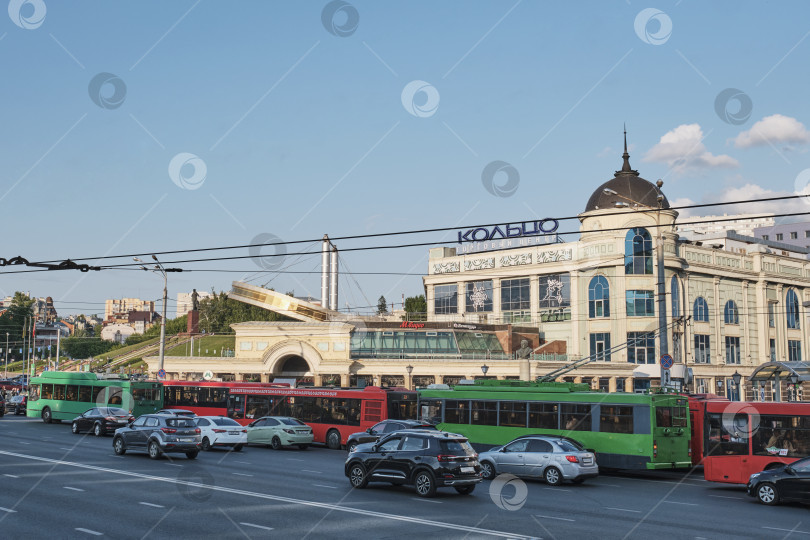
[(333, 413), (735, 439)]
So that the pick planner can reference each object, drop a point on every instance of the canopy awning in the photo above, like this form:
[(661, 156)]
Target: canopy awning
[(782, 370)]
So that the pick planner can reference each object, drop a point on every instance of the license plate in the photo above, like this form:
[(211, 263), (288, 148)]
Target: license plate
[(233, 433), (468, 469), (186, 439)]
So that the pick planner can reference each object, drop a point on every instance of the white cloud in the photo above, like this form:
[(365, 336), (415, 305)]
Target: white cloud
[(682, 148), (771, 130), (606, 151), (746, 192)]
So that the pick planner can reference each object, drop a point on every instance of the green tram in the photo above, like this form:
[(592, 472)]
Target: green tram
[(63, 395), (626, 431)]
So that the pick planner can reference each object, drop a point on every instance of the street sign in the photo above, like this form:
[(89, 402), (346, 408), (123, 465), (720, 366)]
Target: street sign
[(161, 374), (208, 375), (666, 361)]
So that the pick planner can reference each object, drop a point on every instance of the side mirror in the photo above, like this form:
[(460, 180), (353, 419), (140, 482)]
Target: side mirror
[(374, 448), (368, 430), (503, 449), (790, 470)]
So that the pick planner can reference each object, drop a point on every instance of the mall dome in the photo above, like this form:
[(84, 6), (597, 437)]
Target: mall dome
[(626, 190)]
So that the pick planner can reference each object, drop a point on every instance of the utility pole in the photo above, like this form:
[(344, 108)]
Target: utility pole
[(663, 340), (159, 269)]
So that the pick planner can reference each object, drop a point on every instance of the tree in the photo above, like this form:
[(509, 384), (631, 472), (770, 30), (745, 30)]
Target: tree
[(14, 318), (218, 313), (382, 306), (416, 308), (82, 348)]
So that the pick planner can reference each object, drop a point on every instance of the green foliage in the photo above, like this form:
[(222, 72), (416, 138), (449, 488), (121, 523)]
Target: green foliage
[(82, 348), (218, 313), (14, 318), (416, 308), (382, 306)]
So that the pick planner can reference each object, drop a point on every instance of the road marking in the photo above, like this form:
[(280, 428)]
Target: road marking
[(257, 526), (310, 470), (88, 531), (72, 488), (276, 498), (558, 489), (612, 485), (243, 462), (241, 474), (552, 517), (11, 475), (323, 486), (426, 500), (727, 497), (152, 504), (683, 503), (174, 464), (623, 510), (9, 510), (23, 442), (785, 530), (65, 448), (294, 459)]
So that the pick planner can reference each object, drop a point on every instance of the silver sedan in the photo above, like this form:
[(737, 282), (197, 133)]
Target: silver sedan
[(553, 459)]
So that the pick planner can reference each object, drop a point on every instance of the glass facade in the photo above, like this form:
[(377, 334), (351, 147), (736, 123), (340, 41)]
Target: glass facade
[(445, 299), (394, 344), (640, 304), (732, 350), (478, 296), (477, 342), (641, 347), (555, 291), (599, 297), (638, 252), (600, 346), (675, 296), (792, 308), (794, 350), (702, 349), (701, 311), (730, 314), (516, 297)]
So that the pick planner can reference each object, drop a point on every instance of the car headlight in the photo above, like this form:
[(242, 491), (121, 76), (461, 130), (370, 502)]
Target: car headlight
[(753, 476)]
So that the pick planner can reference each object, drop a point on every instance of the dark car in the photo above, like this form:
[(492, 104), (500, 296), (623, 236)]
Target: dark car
[(2, 406), (782, 484), (425, 459), (159, 434), (101, 420), (178, 412), (374, 433), (16, 404)]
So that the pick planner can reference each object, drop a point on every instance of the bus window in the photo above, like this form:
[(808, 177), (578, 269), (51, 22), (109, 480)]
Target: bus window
[(98, 394), (670, 417), (58, 391), (47, 391), (783, 436), (85, 394), (401, 409), (457, 412), (723, 442), (236, 406), (431, 411), (614, 419), (484, 413), (256, 407), (72, 392), (544, 415), (512, 414), (33, 392), (576, 417)]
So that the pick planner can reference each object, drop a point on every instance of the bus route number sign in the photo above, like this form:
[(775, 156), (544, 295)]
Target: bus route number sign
[(666, 361), (161, 374)]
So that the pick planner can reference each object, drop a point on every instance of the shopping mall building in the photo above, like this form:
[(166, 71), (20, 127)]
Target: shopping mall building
[(731, 303)]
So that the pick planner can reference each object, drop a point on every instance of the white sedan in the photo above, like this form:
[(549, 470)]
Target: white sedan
[(221, 431)]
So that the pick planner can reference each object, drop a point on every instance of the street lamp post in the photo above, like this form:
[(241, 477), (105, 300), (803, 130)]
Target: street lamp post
[(158, 268), (794, 380), (737, 378), (409, 369), (484, 370), (6, 375)]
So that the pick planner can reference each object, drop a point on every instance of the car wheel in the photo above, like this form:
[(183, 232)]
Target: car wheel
[(767, 494), (192, 454), (303, 446), (553, 476), (119, 447), (425, 484), (97, 430), (351, 447), (154, 450), (206, 445), (357, 476), (333, 439), (46, 415), (487, 470), (75, 428), (237, 448), (276, 443), (465, 490)]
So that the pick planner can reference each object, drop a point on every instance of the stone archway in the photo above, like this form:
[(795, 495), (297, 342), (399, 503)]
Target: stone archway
[(292, 358)]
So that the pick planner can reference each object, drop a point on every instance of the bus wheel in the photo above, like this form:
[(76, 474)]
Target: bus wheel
[(46, 415), (553, 476), (276, 443), (333, 439)]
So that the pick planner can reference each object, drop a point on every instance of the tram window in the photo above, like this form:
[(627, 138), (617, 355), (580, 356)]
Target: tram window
[(615, 419), (85, 393), (576, 417), (484, 413), (512, 414), (457, 412), (544, 415)]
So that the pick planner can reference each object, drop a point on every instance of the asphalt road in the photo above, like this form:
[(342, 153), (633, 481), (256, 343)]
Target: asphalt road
[(60, 485)]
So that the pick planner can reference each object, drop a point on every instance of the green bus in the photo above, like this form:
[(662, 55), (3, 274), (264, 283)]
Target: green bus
[(625, 431), (63, 395)]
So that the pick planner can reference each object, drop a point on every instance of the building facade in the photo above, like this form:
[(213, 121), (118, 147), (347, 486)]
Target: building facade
[(794, 234), (118, 308)]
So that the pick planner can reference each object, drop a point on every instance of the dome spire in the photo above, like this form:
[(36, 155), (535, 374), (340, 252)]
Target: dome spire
[(626, 169)]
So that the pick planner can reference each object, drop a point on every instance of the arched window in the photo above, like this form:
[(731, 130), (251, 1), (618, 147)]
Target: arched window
[(599, 297), (701, 310), (675, 293), (638, 252), (731, 315), (792, 305)]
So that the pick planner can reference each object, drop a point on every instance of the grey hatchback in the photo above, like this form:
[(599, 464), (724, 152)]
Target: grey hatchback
[(552, 458), (159, 434)]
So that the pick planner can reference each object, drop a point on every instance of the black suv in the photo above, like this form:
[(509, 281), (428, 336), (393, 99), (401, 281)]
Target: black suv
[(425, 459), (376, 431), (159, 434)]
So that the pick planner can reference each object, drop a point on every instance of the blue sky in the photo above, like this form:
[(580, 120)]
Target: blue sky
[(303, 132)]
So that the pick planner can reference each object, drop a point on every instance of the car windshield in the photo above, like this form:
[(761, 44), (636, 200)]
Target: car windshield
[(456, 447), (180, 422), (113, 411), (225, 422), (569, 446), (291, 422)]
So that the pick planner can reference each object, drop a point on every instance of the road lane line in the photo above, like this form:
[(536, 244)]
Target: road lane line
[(9, 510), (785, 530), (409, 519), (294, 459), (152, 504), (623, 510), (310, 470), (324, 486), (88, 531), (67, 449), (243, 462), (611, 485), (683, 503), (558, 489), (426, 500), (174, 464), (552, 517), (23, 442), (727, 497), (257, 526), (241, 474), (72, 488), (11, 475)]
